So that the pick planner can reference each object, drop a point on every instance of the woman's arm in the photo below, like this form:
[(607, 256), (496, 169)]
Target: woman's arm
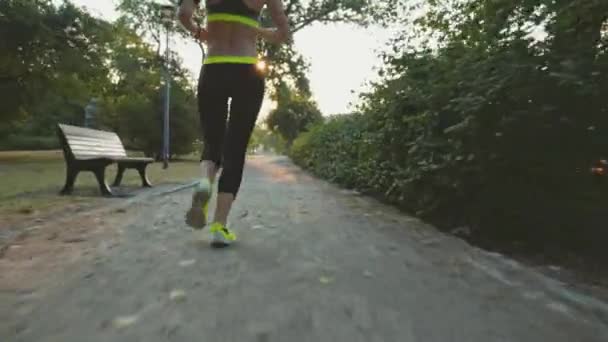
[(280, 34), (184, 13)]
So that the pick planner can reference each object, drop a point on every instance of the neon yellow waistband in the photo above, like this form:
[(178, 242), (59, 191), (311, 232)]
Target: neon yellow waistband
[(233, 18), (230, 59)]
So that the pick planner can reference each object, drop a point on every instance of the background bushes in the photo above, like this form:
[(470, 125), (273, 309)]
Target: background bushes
[(491, 128)]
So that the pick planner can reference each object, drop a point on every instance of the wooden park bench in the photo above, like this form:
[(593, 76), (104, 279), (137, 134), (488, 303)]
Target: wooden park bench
[(92, 150)]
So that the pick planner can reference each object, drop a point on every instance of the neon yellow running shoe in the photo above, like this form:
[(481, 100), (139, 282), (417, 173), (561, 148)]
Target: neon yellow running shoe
[(221, 236), (196, 217)]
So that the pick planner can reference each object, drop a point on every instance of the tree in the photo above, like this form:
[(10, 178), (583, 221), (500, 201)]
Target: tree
[(288, 67), (294, 113), (134, 105), (488, 115), (143, 17), (54, 58), (287, 63)]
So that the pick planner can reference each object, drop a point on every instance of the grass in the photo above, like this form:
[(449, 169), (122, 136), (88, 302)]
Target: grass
[(30, 181)]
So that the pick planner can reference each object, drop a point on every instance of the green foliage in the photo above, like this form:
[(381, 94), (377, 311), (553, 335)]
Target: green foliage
[(27, 143), (264, 140), (479, 123), (335, 149), (56, 58), (294, 113), (287, 63), (144, 18), (50, 57)]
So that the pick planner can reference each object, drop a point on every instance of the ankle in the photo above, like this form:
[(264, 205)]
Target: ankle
[(218, 223)]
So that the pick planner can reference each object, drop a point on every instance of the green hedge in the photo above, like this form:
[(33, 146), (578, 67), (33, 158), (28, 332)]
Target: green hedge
[(474, 123), (28, 143), (503, 204)]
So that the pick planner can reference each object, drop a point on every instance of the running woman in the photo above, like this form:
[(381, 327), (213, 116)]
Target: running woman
[(229, 71)]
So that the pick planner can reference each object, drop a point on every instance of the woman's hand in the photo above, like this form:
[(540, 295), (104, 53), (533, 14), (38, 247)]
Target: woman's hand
[(185, 13), (280, 34)]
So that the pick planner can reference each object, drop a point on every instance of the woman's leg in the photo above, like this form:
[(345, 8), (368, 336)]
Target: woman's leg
[(212, 104), (247, 96), (213, 111)]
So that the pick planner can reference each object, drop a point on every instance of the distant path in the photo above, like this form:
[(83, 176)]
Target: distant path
[(313, 263)]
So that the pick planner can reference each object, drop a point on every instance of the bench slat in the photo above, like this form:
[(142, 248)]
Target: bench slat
[(80, 154), (92, 149), (86, 132), (113, 140), (95, 142), (91, 145), (98, 147), (86, 143)]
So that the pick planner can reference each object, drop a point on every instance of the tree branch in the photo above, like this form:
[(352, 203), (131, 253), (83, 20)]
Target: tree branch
[(311, 20)]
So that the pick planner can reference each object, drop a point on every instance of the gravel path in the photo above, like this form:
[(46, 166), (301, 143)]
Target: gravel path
[(313, 263)]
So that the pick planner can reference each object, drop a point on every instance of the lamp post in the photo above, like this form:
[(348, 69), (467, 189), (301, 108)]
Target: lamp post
[(166, 14)]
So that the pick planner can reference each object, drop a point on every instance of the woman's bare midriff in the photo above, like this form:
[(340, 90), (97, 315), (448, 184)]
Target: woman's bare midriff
[(231, 39)]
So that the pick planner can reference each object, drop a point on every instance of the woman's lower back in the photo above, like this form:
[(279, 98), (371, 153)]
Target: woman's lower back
[(231, 39)]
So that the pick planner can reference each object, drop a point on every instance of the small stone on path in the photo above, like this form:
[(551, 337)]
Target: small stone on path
[(177, 295), (125, 321), (186, 263), (325, 280)]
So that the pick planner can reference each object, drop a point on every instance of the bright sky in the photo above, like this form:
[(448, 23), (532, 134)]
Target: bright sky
[(342, 58)]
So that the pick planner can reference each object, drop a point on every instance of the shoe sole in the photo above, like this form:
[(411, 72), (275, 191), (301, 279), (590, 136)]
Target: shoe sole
[(219, 244), (195, 217), (219, 241)]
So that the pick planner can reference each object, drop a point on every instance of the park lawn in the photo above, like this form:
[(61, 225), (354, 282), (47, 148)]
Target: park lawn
[(30, 182)]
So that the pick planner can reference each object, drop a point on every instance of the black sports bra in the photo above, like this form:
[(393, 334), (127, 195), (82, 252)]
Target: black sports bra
[(232, 11)]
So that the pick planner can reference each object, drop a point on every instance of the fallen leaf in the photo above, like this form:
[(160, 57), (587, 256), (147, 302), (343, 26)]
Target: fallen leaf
[(177, 295), (325, 280), (186, 263), (26, 211), (125, 321)]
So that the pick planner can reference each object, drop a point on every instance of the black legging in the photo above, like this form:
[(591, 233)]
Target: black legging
[(226, 145)]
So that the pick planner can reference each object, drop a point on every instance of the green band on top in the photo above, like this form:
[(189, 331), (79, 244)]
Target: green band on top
[(233, 18), (231, 59)]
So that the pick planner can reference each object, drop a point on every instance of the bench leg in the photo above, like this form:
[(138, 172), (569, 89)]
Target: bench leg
[(100, 174), (145, 182), (118, 179), (70, 179)]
